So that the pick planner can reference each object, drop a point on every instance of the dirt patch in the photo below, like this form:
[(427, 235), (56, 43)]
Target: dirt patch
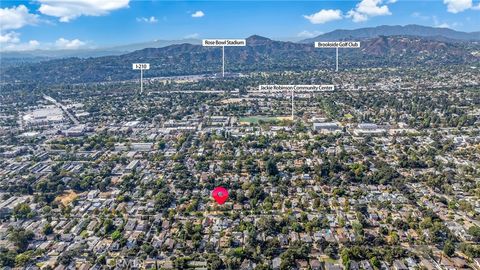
[(284, 118), (67, 197), (231, 100)]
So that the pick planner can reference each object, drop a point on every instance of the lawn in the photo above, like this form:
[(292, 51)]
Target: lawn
[(256, 119)]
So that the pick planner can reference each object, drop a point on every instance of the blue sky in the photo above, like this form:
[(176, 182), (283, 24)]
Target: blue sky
[(73, 24)]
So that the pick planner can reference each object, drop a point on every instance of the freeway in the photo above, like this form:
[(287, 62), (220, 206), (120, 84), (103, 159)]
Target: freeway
[(63, 107), (194, 91)]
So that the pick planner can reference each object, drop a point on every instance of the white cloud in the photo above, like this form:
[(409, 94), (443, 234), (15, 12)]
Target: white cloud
[(68, 10), (456, 6), (16, 17), (443, 25), (194, 35), (198, 14), (152, 19), (10, 41), (438, 23), (372, 8), (10, 37), (420, 16), (308, 34), (66, 44), (28, 46), (34, 43), (357, 16), (324, 15), (369, 8)]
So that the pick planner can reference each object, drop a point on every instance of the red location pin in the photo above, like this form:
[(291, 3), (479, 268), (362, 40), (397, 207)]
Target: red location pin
[(220, 194)]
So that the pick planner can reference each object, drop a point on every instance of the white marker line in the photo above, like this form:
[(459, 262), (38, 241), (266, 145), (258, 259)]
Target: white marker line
[(222, 43), (336, 67), (275, 88), (141, 67), (336, 45)]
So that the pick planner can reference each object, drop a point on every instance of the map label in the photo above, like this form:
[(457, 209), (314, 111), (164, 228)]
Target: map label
[(224, 42), (297, 87), (141, 66), (337, 44)]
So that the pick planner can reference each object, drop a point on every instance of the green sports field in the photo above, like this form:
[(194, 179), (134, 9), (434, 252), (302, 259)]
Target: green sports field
[(256, 119)]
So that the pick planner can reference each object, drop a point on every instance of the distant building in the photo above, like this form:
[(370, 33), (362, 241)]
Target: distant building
[(327, 127), (132, 165), (14, 152), (42, 116), (369, 129), (141, 147), (7, 206), (75, 131), (219, 121), (280, 128)]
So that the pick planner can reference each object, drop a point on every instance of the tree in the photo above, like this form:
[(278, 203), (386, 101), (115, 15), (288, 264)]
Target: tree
[(108, 226), (330, 252), (163, 200), (161, 144), (181, 262), (21, 238), (271, 167), (448, 248), (47, 229), (345, 256), (272, 248), (471, 250), (215, 262), (66, 257), (116, 235), (474, 231), (23, 211), (394, 238), (101, 260), (375, 262), (23, 259), (7, 257)]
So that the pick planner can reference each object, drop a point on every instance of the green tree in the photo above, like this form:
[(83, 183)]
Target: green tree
[(23, 211), (21, 238), (23, 259), (116, 235), (271, 167), (375, 262), (345, 256), (215, 262), (47, 229), (474, 231), (108, 226), (163, 200), (7, 257), (448, 248)]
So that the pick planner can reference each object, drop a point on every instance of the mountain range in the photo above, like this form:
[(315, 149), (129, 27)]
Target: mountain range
[(435, 33), (443, 34), (260, 54), (42, 55)]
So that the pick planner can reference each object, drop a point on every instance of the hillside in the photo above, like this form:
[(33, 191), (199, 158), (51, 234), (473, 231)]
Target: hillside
[(260, 54), (436, 33), (36, 55)]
